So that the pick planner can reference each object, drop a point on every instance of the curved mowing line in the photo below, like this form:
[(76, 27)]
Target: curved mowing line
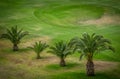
[(68, 15)]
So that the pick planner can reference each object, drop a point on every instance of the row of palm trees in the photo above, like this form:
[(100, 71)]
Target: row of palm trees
[(87, 45)]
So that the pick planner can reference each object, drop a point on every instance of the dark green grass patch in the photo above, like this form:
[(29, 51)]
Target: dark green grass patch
[(78, 75), (58, 67), (68, 15)]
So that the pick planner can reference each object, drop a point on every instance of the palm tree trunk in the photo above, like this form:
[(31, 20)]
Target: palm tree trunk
[(38, 56), (15, 47), (90, 68), (62, 62)]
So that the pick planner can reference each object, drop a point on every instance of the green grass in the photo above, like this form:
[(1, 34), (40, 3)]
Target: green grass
[(57, 67), (56, 20), (77, 75), (69, 15)]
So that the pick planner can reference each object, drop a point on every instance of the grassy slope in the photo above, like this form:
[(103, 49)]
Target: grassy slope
[(51, 20), (58, 19)]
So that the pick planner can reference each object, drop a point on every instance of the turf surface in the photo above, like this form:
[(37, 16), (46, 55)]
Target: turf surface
[(53, 20)]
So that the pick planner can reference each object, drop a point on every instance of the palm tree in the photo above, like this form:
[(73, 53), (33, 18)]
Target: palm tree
[(62, 50), (15, 36), (38, 47), (88, 45)]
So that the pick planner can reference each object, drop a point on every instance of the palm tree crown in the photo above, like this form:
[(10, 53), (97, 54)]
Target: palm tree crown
[(38, 47), (14, 35), (90, 44), (62, 50)]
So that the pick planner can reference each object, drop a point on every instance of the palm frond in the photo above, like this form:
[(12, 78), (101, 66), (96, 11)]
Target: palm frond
[(62, 49), (14, 34), (93, 43), (38, 47)]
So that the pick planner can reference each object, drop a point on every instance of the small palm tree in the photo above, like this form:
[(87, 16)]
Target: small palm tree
[(38, 47), (89, 45), (15, 36), (62, 50)]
